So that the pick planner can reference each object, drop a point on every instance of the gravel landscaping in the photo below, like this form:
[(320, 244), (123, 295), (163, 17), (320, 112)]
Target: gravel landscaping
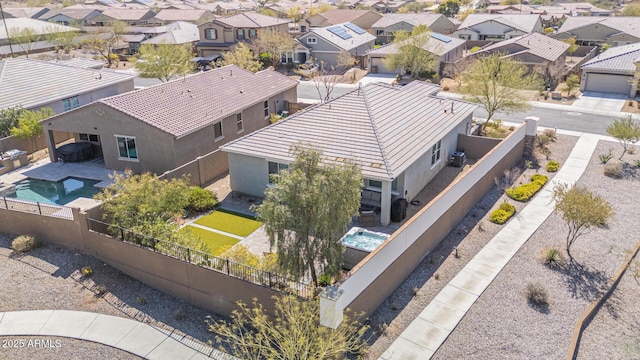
[(58, 348), (48, 278), (441, 265)]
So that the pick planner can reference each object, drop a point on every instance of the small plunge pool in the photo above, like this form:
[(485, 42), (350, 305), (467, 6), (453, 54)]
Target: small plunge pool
[(363, 239), (51, 192)]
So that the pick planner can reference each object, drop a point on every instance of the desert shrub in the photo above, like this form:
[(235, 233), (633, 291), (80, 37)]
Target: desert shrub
[(201, 199), (24, 243), (524, 192), (474, 49), (324, 280), (636, 163), (552, 256), (604, 158), (86, 271), (537, 294), (141, 300), (445, 88), (550, 133), (613, 170), (552, 166), (504, 213)]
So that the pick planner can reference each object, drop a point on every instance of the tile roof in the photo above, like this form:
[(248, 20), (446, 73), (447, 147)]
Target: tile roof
[(183, 15), (251, 20), (617, 58), (24, 12), (31, 83), (184, 33), (413, 19), (536, 44), (78, 14), (126, 14), (41, 27), (629, 25), (182, 106), (582, 7), (344, 44), (337, 16), (435, 45), (80, 62), (383, 128), (524, 23)]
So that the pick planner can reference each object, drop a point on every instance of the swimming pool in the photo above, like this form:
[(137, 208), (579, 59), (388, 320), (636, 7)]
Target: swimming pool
[(363, 239), (51, 192)]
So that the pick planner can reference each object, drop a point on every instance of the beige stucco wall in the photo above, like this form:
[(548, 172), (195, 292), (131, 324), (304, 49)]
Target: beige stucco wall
[(90, 96)]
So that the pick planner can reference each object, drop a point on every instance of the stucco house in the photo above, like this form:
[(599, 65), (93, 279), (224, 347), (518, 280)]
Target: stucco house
[(194, 16), (133, 17), (444, 48), (531, 49), (384, 28), (325, 44), (162, 127), (67, 16), (361, 18), (34, 84), (612, 71), (223, 34), (400, 136), (177, 33), (596, 30), (497, 27)]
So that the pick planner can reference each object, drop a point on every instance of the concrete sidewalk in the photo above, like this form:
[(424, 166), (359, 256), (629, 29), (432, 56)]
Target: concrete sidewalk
[(422, 338), (121, 333)]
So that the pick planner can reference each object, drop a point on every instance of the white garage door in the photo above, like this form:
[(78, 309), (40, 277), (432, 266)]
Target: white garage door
[(608, 83)]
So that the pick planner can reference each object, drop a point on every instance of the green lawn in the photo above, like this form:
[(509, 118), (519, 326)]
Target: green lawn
[(231, 223), (216, 242)]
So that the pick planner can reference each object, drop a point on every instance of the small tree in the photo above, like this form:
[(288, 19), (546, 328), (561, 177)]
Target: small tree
[(24, 37), (29, 126), (631, 9), (273, 43), (295, 13), (626, 130), (572, 83), (63, 40), (104, 42), (449, 8), (294, 332), (495, 82), (241, 56), (308, 212), (324, 77), (9, 118), (164, 61), (411, 54), (581, 209), (573, 47)]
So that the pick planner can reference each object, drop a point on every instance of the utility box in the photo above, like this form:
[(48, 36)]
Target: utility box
[(458, 159)]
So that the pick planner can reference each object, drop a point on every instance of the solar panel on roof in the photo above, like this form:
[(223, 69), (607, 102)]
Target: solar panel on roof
[(355, 28), (340, 32), (440, 37)]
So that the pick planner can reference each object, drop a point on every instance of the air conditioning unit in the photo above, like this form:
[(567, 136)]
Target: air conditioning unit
[(458, 159)]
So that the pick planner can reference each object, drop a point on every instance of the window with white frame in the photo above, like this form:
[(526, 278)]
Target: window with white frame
[(252, 33), (312, 40), (377, 185), (275, 169), (127, 147), (435, 153), (240, 33), (266, 108), (239, 122), (70, 103), (217, 131), (210, 34)]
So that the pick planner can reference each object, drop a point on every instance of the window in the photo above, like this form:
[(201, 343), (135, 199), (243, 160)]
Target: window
[(127, 147), (88, 137), (70, 103), (375, 184), (379, 32), (239, 122), (252, 33), (217, 131), (266, 108), (435, 153), (240, 34), (210, 34), (312, 40), (275, 169)]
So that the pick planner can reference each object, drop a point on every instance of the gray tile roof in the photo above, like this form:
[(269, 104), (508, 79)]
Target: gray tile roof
[(181, 15), (413, 19), (31, 83), (182, 106), (128, 14), (337, 16), (617, 58), (383, 128), (435, 45), (81, 62), (78, 14), (535, 44), (344, 44), (251, 20), (524, 23), (41, 27), (629, 25), (184, 33)]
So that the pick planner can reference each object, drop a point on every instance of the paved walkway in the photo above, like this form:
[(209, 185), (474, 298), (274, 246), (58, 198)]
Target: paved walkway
[(422, 338), (125, 334)]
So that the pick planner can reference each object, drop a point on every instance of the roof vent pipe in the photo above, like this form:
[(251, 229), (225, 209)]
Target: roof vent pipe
[(452, 107)]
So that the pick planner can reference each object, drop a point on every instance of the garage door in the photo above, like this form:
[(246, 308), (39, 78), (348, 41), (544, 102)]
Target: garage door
[(608, 83)]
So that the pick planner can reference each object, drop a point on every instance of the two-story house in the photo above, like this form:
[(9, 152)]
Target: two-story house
[(497, 27), (327, 43)]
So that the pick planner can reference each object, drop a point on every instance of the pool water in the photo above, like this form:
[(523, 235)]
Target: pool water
[(363, 239), (51, 192)]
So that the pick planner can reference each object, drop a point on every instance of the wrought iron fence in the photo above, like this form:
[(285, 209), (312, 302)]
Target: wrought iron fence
[(36, 208), (195, 257)]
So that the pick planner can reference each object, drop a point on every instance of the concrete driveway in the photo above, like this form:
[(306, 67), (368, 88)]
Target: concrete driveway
[(599, 101)]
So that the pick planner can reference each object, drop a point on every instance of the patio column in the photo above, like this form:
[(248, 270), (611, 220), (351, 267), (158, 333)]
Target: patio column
[(385, 203), (51, 145)]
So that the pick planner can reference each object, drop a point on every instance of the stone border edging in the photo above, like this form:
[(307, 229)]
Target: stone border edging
[(592, 308)]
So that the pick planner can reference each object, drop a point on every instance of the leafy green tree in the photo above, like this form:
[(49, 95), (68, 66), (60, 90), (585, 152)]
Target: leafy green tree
[(294, 332), (9, 119), (449, 8), (573, 47), (64, 41), (495, 83), (631, 9), (103, 42), (295, 13), (241, 56), (626, 130), (29, 126), (24, 37), (572, 83), (164, 61), (273, 43), (411, 54), (581, 209), (308, 212)]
